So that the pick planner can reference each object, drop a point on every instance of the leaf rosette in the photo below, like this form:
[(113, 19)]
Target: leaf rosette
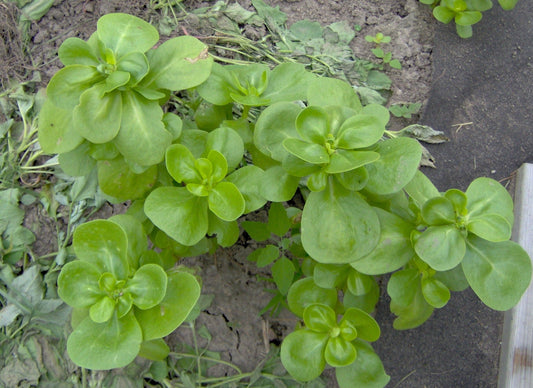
[(118, 297)]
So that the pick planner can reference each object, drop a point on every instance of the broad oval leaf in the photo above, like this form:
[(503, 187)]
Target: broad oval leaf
[(438, 211), (275, 124), (75, 51), (179, 63), (228, 143), (394, 248), (108, 345), (487, 196), (249, 181), (279, 186), (102, 310), (304, 292), (366, 326), (180, 164), (324, 91), (442, 247), (360, 131), (353, 180), (313, 125), (117, 179), (182, 293), (396, 167), (142, 138), (310, 152), (435, 292), (135, 64), (56, 134), (339, 352), (148, 286), (98, 116), (491, 227), (347, 160), (320, 318), (302, 354), (338, 226), (288, 82), (178, 213), (78, 284), (468, 18), (123, 33), (104, 244), (367, 370), (226, 201), (330, 275), (498, 272), (67, 85)]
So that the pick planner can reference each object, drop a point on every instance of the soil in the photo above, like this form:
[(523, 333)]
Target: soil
[(418, 358)]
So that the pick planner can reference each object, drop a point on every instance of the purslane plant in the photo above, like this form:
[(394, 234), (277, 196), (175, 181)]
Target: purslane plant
[(465, 13), (259, 135)]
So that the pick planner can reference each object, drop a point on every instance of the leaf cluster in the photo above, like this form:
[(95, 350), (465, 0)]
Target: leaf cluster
[(465, 13), (258, 135)]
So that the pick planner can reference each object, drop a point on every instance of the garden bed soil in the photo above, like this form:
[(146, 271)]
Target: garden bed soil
[(459, 345)]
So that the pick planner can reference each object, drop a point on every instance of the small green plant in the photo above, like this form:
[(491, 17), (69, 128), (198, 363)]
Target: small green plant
[(405, 110), (378, 51), (465, 13), (254, 135)]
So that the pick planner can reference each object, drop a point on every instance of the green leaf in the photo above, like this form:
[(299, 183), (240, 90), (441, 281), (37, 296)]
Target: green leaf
[(75, 51), (114, 81), (464, 32), (339, 352), (325, 91), (258, 231), (218, 87), (454, 279), (178, 213), (367, 370), (179, 63), (135, 64), (397, 166), (498, 272), (309, 152), (155, 350), (338, 226), (287, 82), (264, 256), (492, 227), (302, 354), (56, 134), (367, 328), (345, 160), (102, 310), (77, 162), (358, 283), (227, 232), (353, 180), (304, 292), (442, 247), (249, 180), (137, 242), (180, 164), (78, 284), (119, 181), (228, 143), (366, 302), (283, 274), (317, 181), (420, 189), (148, 286), (278, 221), (458, 200), (141, 124), (103, 244), (467, 18), (487, 196), (330, 275), (275, 124), (507, 4), (360, 131), (443, 14), (98, 116), (435, 292), (183, 291), (226, 201), (438, 211), (312, 125), (104, 346), (320, 318), (219, 164), (124, 33), (278, 186), (394, 248), (67, 85), (407, 300)]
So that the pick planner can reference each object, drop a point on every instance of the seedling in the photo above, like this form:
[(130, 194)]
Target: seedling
[(378, 51)]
